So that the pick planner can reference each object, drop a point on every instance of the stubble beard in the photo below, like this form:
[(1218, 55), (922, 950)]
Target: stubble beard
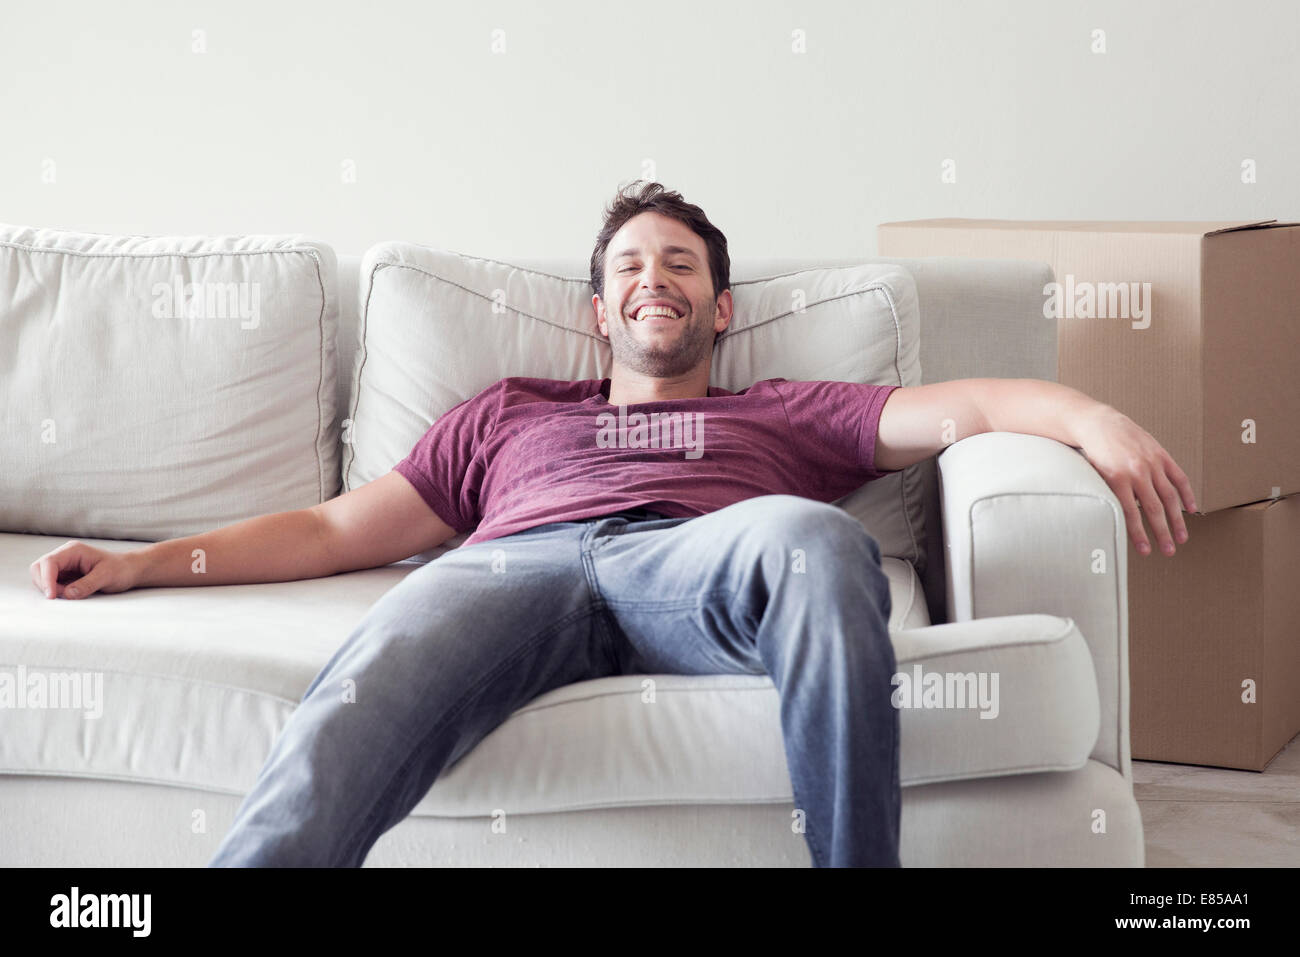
[(675, 353)]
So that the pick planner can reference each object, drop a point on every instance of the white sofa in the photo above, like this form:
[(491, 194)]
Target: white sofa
[(198, 681)]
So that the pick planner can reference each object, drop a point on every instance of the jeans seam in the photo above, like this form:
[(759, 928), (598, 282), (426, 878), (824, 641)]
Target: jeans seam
[(361, 831), (897, 792), (586, 547), (603, 622), (672, 605), (814, 846)]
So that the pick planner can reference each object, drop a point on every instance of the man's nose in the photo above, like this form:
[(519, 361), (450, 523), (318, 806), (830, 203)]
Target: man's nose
[(653, 276)]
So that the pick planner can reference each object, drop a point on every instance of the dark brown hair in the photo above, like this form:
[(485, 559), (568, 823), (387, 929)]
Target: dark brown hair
[(646, 197)]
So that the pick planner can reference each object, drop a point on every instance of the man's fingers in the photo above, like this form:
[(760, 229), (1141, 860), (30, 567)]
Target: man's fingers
[(1182, 483), (82, 587), (1155, 512), (1133, 519), (52, 568), (35, 570), (47, 568), (1173, 508), (47, 576)]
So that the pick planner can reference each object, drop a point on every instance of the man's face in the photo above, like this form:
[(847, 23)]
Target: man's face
[(656, 259)]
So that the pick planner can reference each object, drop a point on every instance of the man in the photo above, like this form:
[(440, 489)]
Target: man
[(595, 556)]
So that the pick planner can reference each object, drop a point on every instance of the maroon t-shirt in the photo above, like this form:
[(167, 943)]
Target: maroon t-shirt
[(527, 452)]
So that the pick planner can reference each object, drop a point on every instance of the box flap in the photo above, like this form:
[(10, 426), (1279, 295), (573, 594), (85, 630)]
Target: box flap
[(1262, 224), (1189, 227)]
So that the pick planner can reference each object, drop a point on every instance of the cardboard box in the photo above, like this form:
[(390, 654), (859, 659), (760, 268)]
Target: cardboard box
[(1190, 329), (1214, 640)]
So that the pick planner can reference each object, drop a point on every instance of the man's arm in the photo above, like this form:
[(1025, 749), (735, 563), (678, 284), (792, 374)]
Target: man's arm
[(919, 421), (381, 522)]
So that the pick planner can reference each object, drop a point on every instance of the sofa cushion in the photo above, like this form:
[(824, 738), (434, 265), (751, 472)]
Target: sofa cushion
[(195, 684), (155, 387), (437, 327)]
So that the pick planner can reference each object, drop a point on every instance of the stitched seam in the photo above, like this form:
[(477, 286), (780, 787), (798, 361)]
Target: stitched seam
[(587, 280), (93, 777), (803, 269), (585, 550), (535, 272), (320, 381), (180, 679), (996, 771), (910, 471), (60, 251), (355, 385), (1027, 644), (911, 592), (668, 605), (476, 293), (873, 286), (767, 688)]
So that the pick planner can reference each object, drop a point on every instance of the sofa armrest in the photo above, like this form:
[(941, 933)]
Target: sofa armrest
[(1029, 527)]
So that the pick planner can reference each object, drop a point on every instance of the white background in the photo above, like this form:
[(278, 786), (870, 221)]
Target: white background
[(516, 153)]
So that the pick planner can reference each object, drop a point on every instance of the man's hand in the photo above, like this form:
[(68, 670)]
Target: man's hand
[(1141, 474), (78, 570)]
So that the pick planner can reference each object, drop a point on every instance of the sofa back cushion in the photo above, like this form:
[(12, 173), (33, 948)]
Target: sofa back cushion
[(437, 327), (154, 387)]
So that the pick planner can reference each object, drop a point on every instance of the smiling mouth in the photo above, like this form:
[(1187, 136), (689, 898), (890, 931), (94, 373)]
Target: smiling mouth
[(657, 317)]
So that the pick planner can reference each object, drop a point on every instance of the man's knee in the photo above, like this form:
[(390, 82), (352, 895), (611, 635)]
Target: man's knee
[(792, 521)]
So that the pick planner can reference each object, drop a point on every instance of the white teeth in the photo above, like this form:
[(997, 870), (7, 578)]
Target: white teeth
[(655, 311)]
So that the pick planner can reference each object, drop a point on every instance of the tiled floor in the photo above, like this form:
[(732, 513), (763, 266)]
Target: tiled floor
[(1212, 817)]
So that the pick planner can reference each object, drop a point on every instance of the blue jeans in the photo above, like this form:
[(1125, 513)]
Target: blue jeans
[(778, 584)]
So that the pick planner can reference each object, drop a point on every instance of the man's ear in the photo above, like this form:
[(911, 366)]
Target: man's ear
[(598, 307), (726, 307)]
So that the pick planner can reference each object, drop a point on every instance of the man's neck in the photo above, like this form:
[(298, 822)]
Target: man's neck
[(631, 388)]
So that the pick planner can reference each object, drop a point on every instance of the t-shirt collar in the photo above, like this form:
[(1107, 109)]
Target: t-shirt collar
[(601, 396)]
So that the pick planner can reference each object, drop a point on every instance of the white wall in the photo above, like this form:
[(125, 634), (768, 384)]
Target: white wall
[(515, 153)]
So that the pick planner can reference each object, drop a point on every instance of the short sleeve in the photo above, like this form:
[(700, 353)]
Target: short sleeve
[(445, 466), (833, 424)]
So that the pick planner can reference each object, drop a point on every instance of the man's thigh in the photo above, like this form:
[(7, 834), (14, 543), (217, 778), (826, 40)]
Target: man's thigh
[(686, 598), (458, 621)]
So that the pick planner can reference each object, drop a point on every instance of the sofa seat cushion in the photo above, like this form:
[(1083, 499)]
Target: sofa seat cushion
[(198, 682)]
